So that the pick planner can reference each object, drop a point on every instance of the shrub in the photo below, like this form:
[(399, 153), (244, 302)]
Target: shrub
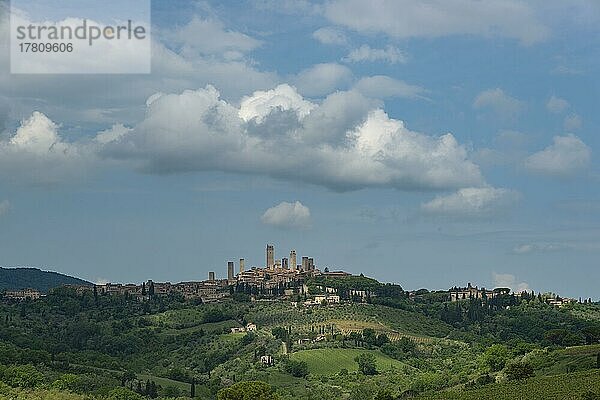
[(68, 382), (519, 370), (495, 357), (589, 395), (251, 390), (121, 393), (299, 369), (366, 363), (25, 376)]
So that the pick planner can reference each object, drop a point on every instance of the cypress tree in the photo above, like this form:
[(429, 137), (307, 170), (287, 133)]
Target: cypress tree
[(153, 392)]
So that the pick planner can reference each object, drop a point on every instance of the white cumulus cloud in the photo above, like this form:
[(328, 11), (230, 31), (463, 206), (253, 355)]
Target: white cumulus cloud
[(283, 97), (471, 202), (36, 153), (509, 281), (288, 215), (114, 133), (566, 156), (346, 142)]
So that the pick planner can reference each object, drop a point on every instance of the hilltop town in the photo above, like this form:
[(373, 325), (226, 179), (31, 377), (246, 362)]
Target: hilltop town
[(282, 278)]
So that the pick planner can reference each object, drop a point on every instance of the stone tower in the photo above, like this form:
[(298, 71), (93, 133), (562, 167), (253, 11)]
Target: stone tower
[(230, 270), (293, 259), (270, 256)]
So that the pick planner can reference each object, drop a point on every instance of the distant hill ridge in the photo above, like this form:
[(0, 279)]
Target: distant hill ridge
[(14, 278)]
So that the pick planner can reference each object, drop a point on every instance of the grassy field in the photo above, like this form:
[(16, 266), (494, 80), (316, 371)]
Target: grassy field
[(331, 361), (558, 387), (164, 382)]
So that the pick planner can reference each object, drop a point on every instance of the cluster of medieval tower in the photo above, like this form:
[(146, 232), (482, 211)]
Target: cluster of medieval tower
[(272, 264)]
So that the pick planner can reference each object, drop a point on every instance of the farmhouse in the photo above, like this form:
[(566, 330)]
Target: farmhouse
[(267, 360), (250, 327), (560, 302)]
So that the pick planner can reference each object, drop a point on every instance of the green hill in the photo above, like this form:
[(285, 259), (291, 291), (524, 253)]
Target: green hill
[(572, 386), (21, 278), (572, 359)]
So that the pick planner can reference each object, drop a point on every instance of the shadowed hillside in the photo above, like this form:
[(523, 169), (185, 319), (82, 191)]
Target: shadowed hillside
[(21, 278)]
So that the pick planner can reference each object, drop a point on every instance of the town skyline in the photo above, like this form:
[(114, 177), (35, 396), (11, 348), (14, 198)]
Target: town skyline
[(279, 270)]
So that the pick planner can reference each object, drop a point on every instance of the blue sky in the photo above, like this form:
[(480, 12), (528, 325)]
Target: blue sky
[(426, 143)]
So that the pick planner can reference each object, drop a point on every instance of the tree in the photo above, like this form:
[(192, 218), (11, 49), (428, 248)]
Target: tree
[(562, 337), (128, 376), (279, 332), (121, 393), (151, 389), (369, 336), (153, 393), (366, 363), (250, 390), (384, 395), (171, 391), (67, 382), (356, 337), (299, 369), (598, 360), (519, 370), (495, 357), (382, 339), (366, 390), (24, 376), (193, 388), (589, 395)]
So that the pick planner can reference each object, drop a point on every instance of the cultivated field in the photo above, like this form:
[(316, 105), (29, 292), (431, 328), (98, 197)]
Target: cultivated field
[(332, 361)]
